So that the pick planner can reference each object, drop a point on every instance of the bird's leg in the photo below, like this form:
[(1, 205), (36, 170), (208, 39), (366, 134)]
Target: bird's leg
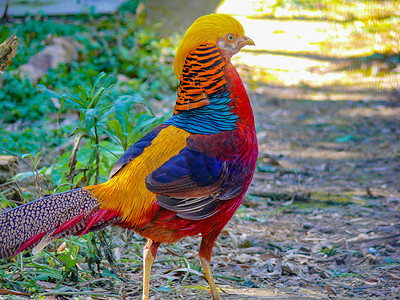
[(207, 243), (149, 254)]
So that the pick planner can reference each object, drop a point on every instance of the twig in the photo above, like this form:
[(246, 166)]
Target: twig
[(4, 16), (78, 293), (370, 242), (11, 292), (72, 159), (97, 156)]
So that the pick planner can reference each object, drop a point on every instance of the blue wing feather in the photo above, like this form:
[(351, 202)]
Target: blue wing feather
[(188, 171)]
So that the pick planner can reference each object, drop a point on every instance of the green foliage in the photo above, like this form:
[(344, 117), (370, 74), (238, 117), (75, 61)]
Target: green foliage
[(4, 33), (112, 115), (329, 252), (86, 103), (21, 100), (58, 267), (129, 6), (116, 44), (124, 121), (126, 128), (118, 120), (59, 172), (32, 32), (30, 139), (112, 46)]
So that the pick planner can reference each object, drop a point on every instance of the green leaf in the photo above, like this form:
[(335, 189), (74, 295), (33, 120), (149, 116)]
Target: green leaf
[(344, 139), (163, 289), (115, 130), (91, 116), (129, 99), (268, 169), (4, 33)]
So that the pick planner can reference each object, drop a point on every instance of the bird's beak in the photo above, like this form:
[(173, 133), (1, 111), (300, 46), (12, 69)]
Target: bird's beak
[(244, 41)]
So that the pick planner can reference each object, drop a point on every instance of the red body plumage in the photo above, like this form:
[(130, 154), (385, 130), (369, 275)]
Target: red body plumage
[(240, 145)]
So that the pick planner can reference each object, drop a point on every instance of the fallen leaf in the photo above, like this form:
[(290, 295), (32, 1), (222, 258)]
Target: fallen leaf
[(330, 290), (10, 292)]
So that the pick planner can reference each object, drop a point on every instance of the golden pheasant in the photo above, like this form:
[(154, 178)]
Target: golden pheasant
[(186, 177)]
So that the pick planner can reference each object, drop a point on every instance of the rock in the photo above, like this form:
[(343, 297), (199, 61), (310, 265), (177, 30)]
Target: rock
[(308, 225), (244, 258), (8, 167), (290, 268), (59, 50)]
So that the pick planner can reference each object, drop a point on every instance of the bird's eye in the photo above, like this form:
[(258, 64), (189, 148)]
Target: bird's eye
[(230, 37)]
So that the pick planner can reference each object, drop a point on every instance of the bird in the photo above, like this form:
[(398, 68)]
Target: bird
[(186, 177)]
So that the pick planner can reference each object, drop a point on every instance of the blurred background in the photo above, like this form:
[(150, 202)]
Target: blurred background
[(91, 77)]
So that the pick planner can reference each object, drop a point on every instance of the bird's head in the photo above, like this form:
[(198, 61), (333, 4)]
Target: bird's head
[(220, 29)]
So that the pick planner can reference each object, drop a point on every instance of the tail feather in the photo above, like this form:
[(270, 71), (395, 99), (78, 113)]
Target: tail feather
[(39, 222)]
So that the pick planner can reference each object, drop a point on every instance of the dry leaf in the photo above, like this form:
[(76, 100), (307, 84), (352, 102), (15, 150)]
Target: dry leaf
[(62, 247), (329, 289), (10, 292), (394, 276)]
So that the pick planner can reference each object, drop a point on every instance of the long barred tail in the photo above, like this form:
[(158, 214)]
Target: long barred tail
[(44, 220)]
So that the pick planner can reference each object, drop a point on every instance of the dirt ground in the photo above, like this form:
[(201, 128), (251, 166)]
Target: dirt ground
[(322, 217)]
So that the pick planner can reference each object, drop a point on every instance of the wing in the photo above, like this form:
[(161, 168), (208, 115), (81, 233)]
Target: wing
[(191, 173), (183, 172), (193, 183), (125, 192)]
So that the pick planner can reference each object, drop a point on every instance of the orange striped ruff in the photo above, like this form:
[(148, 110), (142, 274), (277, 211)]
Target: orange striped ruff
[(202, 77)]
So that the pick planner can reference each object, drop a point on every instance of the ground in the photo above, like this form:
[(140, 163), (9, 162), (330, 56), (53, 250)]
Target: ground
[(322, 217)]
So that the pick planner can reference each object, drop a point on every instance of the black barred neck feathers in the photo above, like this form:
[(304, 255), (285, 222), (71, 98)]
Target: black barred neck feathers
[(202, 78)]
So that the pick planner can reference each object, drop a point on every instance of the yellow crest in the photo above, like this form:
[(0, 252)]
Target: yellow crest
[(205, 29)]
